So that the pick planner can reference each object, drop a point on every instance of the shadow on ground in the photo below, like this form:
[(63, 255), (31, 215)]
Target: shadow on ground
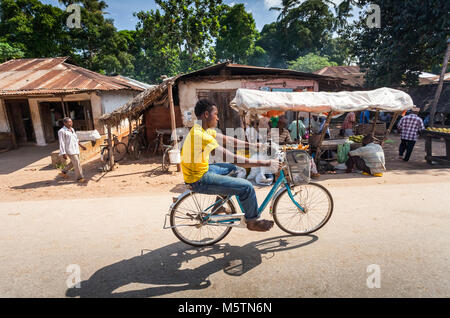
[(178, 267), (25, 156)]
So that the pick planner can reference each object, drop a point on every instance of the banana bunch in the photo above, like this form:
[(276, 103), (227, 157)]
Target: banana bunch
[(442, 130), (356, 138)]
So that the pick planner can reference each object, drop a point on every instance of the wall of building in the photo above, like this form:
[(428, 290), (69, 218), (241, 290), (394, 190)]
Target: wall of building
[(113, 100), (188, 90), (4, 126)]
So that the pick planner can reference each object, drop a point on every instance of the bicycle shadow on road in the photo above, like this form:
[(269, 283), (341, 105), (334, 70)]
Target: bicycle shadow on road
[(178, 267)]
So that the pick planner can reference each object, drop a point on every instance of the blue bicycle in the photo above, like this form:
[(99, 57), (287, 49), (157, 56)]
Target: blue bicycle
[(298, 206)]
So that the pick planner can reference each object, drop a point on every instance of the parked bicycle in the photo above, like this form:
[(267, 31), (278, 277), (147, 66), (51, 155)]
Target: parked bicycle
[(119, 151), (166, 148), (298, 206), (137, 143)]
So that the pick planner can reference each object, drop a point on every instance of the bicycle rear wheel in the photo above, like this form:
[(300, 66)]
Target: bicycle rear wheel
[(120, 150), (185, 219), (315, 199)]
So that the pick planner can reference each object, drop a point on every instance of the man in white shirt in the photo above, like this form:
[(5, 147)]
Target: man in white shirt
[(369, 158), (69, 148)]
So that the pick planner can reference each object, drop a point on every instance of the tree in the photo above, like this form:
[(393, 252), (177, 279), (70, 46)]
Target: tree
[(34, 28), (179, 37), (411, 39), (310, 63), (8, 52), (302, 27), (102, 48), (237, 35)]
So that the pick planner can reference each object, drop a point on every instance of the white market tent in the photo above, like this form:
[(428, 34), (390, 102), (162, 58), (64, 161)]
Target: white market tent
[(259, 102)]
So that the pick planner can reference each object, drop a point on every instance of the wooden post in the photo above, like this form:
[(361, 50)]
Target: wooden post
[(130, 125), (172, 120), (63, 107), (374, 127), (391, 125), (10, 124), (296, 118), (110, 149), (441, 83), (322, 136)]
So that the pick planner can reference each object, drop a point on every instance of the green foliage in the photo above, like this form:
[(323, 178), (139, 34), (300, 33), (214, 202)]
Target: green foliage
[(305, 27), (237, 36), (98, 45), (177, 38), (8, 52), (34, 28), (412, 39), (310, 63)]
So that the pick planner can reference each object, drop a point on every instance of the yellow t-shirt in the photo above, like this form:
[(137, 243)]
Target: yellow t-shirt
[(195, 153)]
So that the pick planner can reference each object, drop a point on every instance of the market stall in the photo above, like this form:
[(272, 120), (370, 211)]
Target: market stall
[(434, 134), (319, 103)]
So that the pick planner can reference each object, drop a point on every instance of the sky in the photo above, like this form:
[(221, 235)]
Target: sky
[(122, 11)]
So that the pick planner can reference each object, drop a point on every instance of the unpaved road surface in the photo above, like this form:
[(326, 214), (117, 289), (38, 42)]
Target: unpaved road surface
[(391, 237)]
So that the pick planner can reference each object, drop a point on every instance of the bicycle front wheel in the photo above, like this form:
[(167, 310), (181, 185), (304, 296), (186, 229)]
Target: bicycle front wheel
[(166, 160), (120, 150), (135, 149), (104, 158), (317, 203), (186, 223)]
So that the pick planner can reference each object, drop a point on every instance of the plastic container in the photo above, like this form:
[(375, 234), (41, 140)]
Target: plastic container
[(174, 156)]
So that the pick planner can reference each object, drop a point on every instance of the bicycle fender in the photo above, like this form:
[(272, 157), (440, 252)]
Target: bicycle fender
[(283, 188), (181, 196)]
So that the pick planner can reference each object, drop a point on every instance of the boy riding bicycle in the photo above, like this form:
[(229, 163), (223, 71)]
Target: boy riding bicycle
[(212, 179)]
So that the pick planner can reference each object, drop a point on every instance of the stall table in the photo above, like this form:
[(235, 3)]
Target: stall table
[(332, 144), (429, 137)]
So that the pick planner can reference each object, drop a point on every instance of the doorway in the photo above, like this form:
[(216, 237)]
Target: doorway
[(18, 111), (53, 113), (228, 117)]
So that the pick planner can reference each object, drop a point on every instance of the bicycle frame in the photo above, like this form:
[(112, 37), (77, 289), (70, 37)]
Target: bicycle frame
[(227, 219)]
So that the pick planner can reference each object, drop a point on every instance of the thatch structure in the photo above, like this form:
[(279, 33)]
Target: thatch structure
[(134, 108)]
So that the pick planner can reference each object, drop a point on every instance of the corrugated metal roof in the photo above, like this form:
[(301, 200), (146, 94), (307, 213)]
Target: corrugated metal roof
[(351, 75), (54, 76)]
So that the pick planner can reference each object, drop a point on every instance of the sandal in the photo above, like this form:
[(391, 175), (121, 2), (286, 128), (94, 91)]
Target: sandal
[(259, 225)]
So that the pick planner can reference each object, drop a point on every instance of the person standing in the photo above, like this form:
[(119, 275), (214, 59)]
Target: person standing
[(348, 124), (293, 130), (409, 127), (364, 118), (69, 148)]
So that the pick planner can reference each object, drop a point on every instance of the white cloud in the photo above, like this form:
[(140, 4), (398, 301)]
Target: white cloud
[(277, 3), (272, 3)]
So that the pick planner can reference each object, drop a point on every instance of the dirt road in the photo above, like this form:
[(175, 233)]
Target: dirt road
[(390, 232), (120, 249)]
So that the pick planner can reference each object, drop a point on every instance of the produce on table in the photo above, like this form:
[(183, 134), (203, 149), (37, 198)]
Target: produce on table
[(295, 147), (441, 130), (356, 138)]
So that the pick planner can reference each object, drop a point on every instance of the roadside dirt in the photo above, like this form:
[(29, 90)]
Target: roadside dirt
[(26, 174)]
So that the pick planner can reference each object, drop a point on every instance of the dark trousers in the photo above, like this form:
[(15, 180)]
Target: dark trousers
[(407, 145), (358, 162)]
